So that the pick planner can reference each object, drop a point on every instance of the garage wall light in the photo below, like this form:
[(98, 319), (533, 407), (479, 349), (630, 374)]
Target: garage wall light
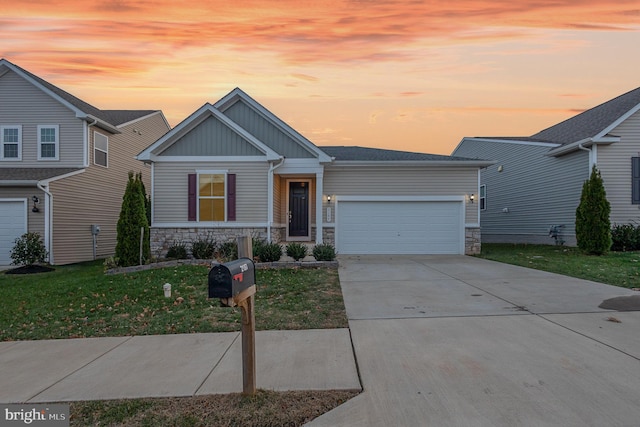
[(472, 198), (35, 202), (329, 199)]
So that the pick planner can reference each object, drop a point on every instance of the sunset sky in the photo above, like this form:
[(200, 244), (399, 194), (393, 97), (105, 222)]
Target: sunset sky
[(401, 74)]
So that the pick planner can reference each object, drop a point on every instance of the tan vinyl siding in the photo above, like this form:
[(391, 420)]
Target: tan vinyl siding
[(266, 132), (403, 181), (212, 138), (35, 220), (171, 198), (278, 196), (95, 196), (24, 104), (614, 162)]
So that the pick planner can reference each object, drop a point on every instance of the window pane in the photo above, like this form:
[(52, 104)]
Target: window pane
[(218, 185), (47, 150), (100, 158), (11, 150), (211, 209), (211, 185), (10, 135), (48, 135)]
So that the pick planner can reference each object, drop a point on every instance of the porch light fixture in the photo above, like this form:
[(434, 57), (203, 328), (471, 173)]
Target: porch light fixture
[(35, 201), (472, 198), (329, 199)]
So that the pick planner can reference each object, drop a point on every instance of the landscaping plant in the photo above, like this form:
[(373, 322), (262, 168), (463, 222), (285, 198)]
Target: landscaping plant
[(178, 250), (269, 252), (203, 248), (133, 218), (324, 252), (297, 251), (28, 249), (593, 229)]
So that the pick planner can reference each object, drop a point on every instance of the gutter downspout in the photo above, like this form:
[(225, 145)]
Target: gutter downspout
[(591, 155), (48, 207), (87, 145), (272, 168)]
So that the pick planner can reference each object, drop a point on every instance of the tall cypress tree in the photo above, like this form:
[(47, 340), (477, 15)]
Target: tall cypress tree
[(593, 227), (132, 218)]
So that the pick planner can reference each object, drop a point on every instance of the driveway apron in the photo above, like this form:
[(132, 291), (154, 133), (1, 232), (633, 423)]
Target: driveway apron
[(462, 341)]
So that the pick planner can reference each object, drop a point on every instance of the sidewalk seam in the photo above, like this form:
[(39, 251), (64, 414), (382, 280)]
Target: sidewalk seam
[(78, 369), (216, 365)]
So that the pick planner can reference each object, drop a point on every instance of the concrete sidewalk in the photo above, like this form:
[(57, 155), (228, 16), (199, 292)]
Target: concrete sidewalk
[(173, 365)]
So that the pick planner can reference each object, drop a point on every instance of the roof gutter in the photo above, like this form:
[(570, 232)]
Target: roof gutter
[(395, 163), (94, 121), (582, 145)]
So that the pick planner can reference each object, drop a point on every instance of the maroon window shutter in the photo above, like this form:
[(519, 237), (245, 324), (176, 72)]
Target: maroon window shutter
[(231, 197), (193, 196)]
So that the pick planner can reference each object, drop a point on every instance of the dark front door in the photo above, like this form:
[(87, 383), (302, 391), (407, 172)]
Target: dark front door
[(298, 209)]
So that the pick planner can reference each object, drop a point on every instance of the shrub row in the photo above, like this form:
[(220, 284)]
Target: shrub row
[(207, 248), (625, 237)]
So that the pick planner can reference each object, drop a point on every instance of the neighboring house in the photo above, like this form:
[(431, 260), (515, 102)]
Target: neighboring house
[(234, 168), (64, 166), (537, 181)]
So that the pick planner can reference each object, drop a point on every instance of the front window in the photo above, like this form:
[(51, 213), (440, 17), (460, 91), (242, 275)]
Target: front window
[(11, 140), (100, 149), (48, 142), (483, 197), (211, 197)]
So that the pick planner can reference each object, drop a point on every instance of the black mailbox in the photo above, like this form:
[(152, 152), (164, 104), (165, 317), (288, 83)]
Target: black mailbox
[(229, 279)]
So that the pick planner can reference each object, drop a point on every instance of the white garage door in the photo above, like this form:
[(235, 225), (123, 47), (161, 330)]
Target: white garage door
[(12, 226), (400, 227)]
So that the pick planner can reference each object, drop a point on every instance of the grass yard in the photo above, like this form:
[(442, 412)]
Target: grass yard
[(80, 301), (615, 268)]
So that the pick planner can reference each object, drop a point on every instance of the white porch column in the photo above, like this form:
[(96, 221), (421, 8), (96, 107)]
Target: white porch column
[(319, 217)]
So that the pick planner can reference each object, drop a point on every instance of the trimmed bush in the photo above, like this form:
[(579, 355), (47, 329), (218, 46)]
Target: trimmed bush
[(625, 237), (593, 229), (297, 251), (270, 252), (133, 217), (324, 252), (178, 250), (203, 248), (28, 249)]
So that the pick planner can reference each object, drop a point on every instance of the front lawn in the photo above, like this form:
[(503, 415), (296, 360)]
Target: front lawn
[(615, 268), (81, 301)]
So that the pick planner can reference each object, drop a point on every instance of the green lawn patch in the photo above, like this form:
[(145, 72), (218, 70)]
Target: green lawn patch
[(80, 301), (615, 268)]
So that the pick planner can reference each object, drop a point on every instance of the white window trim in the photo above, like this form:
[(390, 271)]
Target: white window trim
[(56, 143), (211, 172), (483, 197), (2, 143), (95, 147)]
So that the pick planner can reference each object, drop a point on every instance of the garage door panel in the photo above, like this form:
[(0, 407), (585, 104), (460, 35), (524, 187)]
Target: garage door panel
[(12, 226), (404, 227)]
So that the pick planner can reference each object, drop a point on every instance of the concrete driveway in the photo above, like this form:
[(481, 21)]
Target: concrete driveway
[(461, 341)]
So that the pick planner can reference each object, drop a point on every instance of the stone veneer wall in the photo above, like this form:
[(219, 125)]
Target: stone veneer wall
[(472, 241), (162, 238)]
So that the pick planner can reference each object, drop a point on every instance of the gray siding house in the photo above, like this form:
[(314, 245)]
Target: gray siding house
[(64, 166), (537, 181), (233, 168)]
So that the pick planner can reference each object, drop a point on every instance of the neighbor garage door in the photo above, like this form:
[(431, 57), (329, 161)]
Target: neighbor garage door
[(399, 227), (12, 226)]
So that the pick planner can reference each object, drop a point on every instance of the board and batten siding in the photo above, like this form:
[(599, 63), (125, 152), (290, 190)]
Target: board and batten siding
[(95, 196), (212, 138), (24, 104), (533, 191), (405, 181), (266, 132), (614, 163), (170, 193)]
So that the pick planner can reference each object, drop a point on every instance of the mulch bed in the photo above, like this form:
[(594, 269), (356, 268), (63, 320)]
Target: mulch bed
[(30, 269)]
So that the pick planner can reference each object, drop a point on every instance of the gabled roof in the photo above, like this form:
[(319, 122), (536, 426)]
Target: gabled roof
[(207, 110), (593, 123), (107, 119), (238, 94), (365, 155)]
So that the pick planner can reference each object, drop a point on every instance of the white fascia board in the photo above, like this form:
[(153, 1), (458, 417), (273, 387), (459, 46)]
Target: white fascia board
[(21, 183), (45, 182), (144, 118), (421, 163), (514, 142), (218, 159), (568, 148), (615, 124), (230, 99), (100, 123), (195, 224), (372, 198)]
